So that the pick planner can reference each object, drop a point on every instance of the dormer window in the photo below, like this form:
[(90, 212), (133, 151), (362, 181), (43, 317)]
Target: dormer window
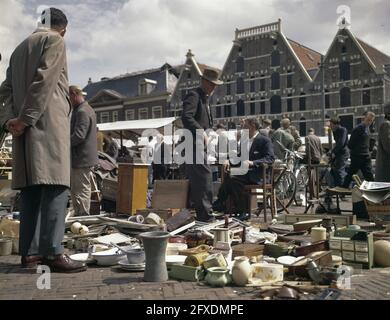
[(146, 86)]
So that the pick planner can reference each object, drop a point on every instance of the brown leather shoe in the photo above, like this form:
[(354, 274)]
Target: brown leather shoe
[(62, 263), (31, 261)]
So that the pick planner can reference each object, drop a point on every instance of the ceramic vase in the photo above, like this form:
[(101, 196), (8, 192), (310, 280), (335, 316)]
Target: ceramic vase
[(217, 277), (155, 245), (242, 271)]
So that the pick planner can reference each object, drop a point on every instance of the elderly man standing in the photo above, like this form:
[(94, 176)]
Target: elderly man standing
[(37, 113), (197, 117), (382, 173), (84, 151)]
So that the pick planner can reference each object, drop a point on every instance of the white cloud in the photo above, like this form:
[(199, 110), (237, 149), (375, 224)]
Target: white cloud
[(107, 38), (14, 27)]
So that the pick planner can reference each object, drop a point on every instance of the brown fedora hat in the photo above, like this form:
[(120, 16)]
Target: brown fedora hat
[(212, 76)]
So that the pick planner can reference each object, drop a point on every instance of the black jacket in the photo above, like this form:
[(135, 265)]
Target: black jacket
[(261, 152), (195, 114), (83, 137), (359, 143), (341, 137)]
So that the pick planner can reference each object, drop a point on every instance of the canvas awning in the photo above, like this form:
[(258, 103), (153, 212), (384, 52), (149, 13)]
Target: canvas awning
[(132, 128)]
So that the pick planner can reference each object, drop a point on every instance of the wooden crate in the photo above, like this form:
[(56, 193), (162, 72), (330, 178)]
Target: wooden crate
[(247, 250), (377, 210), (339, 220), (164, 214), (170, 194)]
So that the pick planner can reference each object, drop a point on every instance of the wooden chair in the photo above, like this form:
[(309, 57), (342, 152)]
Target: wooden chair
[(265, 190)]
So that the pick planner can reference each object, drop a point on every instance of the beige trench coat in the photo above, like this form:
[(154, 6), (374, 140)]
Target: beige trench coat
[(36, 90)]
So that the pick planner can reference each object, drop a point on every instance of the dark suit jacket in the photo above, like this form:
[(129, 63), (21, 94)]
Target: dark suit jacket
[(83, 137), (195, 112), (359, 143), (341, 138), (261, 152)]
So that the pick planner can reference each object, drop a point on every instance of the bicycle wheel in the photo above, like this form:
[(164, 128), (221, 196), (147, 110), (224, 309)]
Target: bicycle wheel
[(285, 190)]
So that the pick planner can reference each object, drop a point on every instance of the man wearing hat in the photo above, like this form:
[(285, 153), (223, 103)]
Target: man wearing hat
[(197, 116), (382, 173), (84, 150)]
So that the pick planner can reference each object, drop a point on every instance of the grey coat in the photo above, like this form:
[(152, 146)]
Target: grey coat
[(83, 137), (383, 154), (36, 91), (285, 139)]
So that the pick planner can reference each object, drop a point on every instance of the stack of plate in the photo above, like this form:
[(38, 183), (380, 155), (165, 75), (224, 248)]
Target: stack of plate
[(125, 265)]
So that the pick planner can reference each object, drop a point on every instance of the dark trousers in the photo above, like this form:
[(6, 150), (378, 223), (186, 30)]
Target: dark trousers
[(362, 163), (338, 170), (44, 205), (201, 189), (159, 172), (233, 187)]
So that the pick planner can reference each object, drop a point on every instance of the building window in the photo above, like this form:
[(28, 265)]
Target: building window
[(344, 49), (130, 114), (218, 112), (104, 117), (345, 71), (366, 96), (262, 84), (146, 86), (289, 103), (240, 86), (262, 107), (240, 108), (253, 108), (143, 114), (275, 58), (240, 64), (228, 89), (228, 111), (276, 105), (275, 81), (252, 86), (327, 99), (157, 112), (302, 102), (347, 122), (302, 127), (289, 81), (189, 76), (345, 97), (114, 116)]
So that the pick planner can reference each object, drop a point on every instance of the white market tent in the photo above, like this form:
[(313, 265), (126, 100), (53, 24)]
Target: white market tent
[(137, 126), (133, 129)]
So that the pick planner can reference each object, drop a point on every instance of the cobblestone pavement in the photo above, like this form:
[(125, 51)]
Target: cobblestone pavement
[(112, 283)]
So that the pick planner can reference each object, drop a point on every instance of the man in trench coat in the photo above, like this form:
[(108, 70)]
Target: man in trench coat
[(382, 173), (35, 109)]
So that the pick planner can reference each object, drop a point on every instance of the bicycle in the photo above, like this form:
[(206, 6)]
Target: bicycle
[(292, 178)]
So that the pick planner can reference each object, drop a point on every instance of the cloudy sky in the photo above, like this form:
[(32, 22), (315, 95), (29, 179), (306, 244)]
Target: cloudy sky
[(110, 37)]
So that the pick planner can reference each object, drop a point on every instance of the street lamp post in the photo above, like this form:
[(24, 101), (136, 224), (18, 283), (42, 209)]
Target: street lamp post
[(322, 67)]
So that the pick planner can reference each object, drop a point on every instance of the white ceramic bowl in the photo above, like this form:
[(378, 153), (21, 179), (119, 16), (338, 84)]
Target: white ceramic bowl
[(109, 257)]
